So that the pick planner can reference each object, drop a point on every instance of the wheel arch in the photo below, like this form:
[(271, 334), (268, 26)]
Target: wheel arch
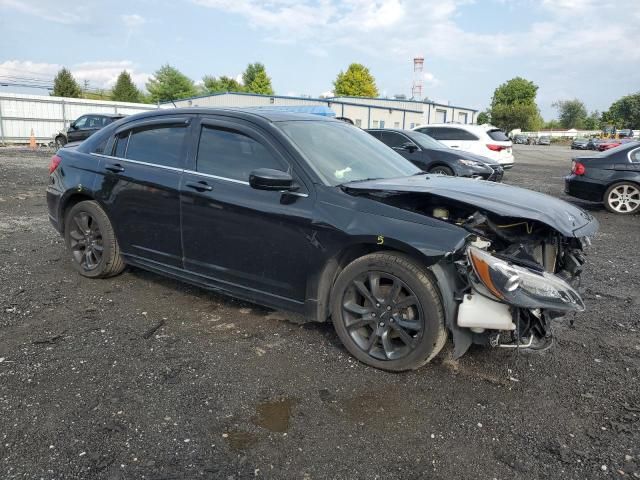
[(69, 202), (321, 287)]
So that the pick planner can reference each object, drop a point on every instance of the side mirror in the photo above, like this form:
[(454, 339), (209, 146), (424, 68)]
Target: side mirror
[(409, 147), (270, 179), (73, 125)]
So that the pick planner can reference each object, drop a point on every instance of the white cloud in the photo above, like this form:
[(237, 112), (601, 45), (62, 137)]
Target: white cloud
[(133, 20), (64, 11), (431, 79), (99, 74)]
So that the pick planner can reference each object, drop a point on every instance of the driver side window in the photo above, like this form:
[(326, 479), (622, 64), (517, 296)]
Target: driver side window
[(231, 154), (635, 156), (81, 122)]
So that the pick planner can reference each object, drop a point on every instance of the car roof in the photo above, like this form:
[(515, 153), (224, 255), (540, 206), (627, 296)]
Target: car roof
[(466, 126), (247, 113)]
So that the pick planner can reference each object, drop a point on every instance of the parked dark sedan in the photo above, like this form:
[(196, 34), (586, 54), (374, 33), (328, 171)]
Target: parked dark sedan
[(612, 177), (432, 156), (580, 144), (85, 126), (311, 214)]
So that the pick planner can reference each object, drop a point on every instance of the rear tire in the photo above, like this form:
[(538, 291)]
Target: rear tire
[(623, 198), (91, 241), (442, 170), (387, 312)]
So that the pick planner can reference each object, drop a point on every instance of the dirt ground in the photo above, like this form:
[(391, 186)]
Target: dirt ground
[(141, 377)]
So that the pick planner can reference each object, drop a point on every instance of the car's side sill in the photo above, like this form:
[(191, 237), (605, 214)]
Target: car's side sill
[(232, 290)]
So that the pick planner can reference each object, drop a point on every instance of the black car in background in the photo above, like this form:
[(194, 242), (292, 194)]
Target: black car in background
[(85, 126), (594, 143), (311, 214), (434, 157), (612, 177), (580, 144)]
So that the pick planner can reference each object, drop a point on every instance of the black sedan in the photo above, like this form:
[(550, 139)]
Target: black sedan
[(311, 214), (612, 177), (434, 157)]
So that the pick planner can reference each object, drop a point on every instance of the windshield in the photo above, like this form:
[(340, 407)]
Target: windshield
[(426, 141), (341, 153)]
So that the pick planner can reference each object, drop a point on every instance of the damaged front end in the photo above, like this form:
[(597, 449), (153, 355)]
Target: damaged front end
[(512, 278), (521, 264)]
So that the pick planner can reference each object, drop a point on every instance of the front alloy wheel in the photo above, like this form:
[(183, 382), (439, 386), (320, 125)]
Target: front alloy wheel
[(623, 198), (387, 312), (382, 315)]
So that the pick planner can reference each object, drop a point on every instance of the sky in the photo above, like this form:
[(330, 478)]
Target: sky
[(585, 49)]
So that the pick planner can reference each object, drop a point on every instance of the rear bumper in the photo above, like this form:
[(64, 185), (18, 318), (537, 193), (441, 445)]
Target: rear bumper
[(584, 188)]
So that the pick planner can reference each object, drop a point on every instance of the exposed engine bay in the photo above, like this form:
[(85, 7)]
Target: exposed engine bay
[(514, 275)]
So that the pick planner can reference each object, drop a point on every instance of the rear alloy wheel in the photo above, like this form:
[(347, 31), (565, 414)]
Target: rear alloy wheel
[(91, 241), (623, 197), (441, 170), (387, 312)]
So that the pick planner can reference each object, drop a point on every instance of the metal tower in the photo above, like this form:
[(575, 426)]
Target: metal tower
[(418, 78)]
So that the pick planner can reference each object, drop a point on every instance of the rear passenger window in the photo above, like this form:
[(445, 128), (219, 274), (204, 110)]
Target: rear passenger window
[(158, 145), (231, 154), (450, 134)]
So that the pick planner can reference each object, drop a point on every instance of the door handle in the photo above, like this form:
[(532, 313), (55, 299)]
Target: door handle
[(200, 186), (455, 146), (115, 168)]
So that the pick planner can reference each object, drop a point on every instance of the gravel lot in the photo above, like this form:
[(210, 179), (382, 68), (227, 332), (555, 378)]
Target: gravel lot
[(225, 389)]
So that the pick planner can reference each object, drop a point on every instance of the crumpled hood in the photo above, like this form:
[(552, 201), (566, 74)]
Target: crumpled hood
[(498, 198)]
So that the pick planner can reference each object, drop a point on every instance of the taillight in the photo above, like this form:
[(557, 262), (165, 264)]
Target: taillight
[(578, 168), (53, 163), (495, 148)]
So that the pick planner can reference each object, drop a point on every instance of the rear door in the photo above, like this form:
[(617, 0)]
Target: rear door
[(139, 188), (245, 239)]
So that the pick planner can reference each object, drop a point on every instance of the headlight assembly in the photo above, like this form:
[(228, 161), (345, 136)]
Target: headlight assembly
[(522, 287), (470, 163)]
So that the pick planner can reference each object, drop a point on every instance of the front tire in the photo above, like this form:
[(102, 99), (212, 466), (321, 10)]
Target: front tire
[(622, 198), (91, 241), (387, 312), (60, 141), (442, 170)]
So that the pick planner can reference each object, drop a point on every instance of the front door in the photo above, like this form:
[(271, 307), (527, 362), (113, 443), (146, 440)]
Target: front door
[(242, 238), (139, 189)]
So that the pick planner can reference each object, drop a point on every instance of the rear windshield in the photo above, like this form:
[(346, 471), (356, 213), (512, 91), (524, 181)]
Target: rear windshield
[(497, 135)]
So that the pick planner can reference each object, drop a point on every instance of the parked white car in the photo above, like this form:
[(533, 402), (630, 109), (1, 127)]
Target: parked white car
[(485, 140)]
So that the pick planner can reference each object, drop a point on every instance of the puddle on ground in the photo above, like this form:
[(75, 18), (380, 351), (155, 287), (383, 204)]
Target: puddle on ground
[(275, 415), (241, 440)]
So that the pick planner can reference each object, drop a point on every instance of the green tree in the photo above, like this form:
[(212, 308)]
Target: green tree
[(64, 85), (593, 121), (124, 89), (357, 81), (516, 90), (168, 83), (552, 125), (624, 112), (484, 117), (571, 113), (256, 80), (221, 84), (514, 105)]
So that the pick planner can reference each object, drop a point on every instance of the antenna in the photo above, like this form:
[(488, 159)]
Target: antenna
[(418, 78)]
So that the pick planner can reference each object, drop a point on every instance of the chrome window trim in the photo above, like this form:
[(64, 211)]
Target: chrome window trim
[(181, 170), (208, 175), (139, 162), (632, 152)]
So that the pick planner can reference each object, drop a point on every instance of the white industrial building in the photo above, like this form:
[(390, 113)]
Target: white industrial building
[(21, 114), (364, 112)]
